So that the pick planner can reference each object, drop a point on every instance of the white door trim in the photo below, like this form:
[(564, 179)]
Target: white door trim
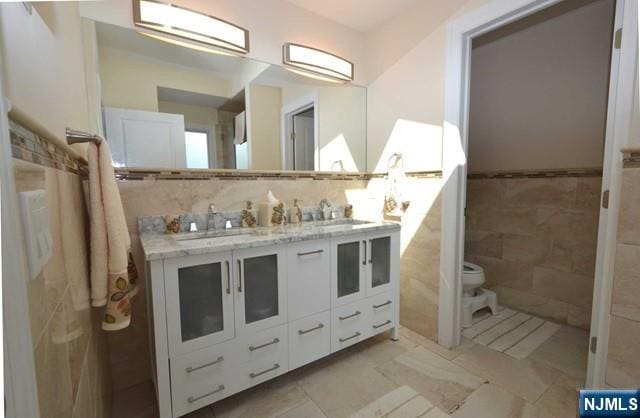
[(619, 116), (20, 388), (455, 145), (286, 113)]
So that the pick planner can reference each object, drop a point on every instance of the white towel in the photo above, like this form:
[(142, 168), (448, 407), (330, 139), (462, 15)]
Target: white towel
[(110, 243), (239, 137)]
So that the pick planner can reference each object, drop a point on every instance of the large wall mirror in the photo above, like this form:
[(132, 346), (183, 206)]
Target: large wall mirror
[(167, 106)]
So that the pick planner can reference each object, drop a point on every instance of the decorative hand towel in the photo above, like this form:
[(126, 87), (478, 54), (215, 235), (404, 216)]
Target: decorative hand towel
[(111, 282)]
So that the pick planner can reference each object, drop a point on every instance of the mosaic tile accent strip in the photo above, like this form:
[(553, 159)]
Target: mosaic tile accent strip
[(631, 158), (31, 147), (569, 172)]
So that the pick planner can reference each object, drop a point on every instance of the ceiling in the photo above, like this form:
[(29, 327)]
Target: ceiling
[(361, 15), (167, 94)]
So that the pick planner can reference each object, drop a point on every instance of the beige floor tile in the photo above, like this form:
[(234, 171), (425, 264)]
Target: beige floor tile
[(414, 408), (381, 349), (502, 328), (514, 336), (343, 384), (307, 410), (431, 345), (387, 403), (491, 401), (269, 399), (137, 401), (525, 378), (561, 399), (567, 350), (529, 344), (485, 324), (205, 412), (437, 379), (435, 413)]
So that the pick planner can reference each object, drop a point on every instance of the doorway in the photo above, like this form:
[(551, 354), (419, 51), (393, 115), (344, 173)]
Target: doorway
[(299, 139), (455, 151)]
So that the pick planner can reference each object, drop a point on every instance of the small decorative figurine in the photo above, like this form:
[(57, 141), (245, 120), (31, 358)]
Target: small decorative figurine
[(296, 213), (348, 211), (248, 216), (278, 217), (173, 225)]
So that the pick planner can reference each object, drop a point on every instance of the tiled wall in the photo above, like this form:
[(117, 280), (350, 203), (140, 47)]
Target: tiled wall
[(623, 362), (70, 349), (420, 242), (536, 240)]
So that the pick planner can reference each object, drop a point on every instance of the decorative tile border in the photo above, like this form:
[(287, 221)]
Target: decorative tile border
[(31, 147), (631, 158), (123, 173), (537, 174)]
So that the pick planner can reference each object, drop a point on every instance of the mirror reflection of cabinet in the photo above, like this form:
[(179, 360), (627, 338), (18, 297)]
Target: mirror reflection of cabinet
[(199, 301), (260, 289)]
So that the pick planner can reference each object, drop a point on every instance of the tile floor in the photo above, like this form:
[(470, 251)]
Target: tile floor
[(413, 377)]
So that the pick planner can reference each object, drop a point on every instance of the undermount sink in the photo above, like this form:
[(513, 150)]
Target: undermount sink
[(213, 235)]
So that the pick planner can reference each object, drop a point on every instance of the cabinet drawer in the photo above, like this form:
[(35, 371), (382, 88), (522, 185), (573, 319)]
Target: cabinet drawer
[(381, 309), (349, 324), (202, 377), (308, 278), (263, 345), (264, 367), (309, 339)]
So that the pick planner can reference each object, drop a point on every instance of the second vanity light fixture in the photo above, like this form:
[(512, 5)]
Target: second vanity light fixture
[(188, 24), (316, 63)]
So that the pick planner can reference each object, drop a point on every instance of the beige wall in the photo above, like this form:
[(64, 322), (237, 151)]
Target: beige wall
[(536, 239), (263, 126), (342, 123), (623, 363), (539, 93), (43, 64), (69, 346), (271, 23), (131, 81)]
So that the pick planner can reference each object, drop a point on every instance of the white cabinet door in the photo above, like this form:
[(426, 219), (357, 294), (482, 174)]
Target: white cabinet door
[(140, 138), (199, 298), (260, 288), (348, 269), (383, 269), (308, 278)]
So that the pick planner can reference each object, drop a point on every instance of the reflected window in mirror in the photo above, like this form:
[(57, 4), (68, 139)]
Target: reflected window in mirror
[(197, 148)]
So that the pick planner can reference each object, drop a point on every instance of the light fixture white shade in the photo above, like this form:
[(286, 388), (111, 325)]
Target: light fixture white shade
[(316, 61), (188, 24)]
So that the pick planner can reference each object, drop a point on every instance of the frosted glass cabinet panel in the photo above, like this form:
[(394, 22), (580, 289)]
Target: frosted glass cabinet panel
[(380, 261), (200, 293), (348, 267), (260, 289), (199, 301)]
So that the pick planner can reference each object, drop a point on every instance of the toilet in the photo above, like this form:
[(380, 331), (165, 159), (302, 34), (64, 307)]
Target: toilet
[(474, 297)]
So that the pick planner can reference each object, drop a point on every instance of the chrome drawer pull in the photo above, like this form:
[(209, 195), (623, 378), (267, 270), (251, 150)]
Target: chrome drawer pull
[(193, 369), (387, 322), (228, 278), (364, 260), (258, 347), (275, 367), (356, 313), (382, 304), (192, 399), (310, 253), (306, 331), (357, 334)]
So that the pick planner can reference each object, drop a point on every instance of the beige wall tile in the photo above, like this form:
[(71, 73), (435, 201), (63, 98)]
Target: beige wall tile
[(623, 362), (534, 304), (575, 289), (556, 192), (626, 282), (628, 222)]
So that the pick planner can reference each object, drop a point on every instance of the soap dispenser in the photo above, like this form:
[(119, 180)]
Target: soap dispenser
[(295, 216)]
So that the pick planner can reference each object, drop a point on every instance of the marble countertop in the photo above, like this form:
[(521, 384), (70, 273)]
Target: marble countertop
[(160, 246)]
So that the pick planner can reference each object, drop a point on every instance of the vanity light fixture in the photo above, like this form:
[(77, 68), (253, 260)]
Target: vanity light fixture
[(316, 63), (188, 24)]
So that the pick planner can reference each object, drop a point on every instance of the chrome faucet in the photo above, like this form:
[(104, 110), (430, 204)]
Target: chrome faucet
[(216, 220), (324, 206)]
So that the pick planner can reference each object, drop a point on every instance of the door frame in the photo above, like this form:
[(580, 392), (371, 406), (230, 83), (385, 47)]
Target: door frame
[(286, 114), (460, 33)]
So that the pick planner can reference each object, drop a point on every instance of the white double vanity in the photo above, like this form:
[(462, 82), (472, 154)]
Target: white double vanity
[(235, 308)]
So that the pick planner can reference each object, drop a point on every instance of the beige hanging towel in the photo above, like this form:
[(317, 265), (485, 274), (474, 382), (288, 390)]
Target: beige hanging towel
[(113, 274)]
